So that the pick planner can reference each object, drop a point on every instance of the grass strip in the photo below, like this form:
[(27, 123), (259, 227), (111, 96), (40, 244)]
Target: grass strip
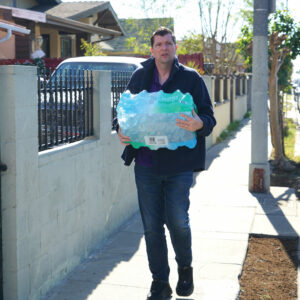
[(290, 140), (231, 128)]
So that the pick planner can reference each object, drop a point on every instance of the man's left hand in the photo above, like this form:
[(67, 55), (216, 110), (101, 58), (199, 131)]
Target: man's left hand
[(190, 123)]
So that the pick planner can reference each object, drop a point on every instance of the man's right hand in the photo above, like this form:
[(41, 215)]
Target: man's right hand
[(123, 138)]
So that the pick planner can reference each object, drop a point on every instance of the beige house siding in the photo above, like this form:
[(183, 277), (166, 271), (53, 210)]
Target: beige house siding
[(7, 48)]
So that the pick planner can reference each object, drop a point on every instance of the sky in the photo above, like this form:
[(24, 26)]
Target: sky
[(186, 17)]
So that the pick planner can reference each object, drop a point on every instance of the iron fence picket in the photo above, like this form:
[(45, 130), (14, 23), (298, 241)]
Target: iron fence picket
[(51, 133), (71, 106), (39, 111), (61, 110), (44, 145), (75, 105), (119, 81), (87, 104), (81, 76), (56, 110), (91, 103)]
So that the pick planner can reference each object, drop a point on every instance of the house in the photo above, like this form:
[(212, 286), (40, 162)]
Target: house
[(138, 30), (57, 28)]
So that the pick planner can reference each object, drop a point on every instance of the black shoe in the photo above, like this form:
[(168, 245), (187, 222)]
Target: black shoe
[(185, 284), (159, 290)]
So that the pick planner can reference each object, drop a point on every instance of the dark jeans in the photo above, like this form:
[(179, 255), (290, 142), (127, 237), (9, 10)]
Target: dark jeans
[(165, 200)]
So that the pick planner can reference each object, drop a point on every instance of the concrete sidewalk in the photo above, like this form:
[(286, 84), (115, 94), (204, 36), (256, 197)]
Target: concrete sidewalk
[(223, 214)]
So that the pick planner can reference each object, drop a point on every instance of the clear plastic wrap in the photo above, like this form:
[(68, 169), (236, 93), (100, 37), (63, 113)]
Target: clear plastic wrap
[(149, 119)]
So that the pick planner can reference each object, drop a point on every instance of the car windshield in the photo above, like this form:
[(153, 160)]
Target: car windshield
[(108, 66), (69, 68)]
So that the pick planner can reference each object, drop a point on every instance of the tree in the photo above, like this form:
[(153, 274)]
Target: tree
[(284, 45), (157, 14), (284, 42), (284, 76), (245, 45), (191, 43), (141, 30), (216, 19), (90, 48), (152, 8)]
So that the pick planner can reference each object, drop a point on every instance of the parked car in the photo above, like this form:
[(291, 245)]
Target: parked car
[(108, 63), (65, 99)]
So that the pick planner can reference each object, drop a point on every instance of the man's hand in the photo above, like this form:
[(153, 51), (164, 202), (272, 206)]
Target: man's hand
[(190, 123), (123, 138)]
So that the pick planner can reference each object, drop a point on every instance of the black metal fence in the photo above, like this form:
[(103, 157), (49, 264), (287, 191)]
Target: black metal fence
[(65, 107), (119, 81)]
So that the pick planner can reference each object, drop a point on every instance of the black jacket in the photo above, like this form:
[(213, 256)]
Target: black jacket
[(187, 80)]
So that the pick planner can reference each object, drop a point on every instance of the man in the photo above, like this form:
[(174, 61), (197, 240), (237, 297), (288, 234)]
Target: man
[(164, 177)]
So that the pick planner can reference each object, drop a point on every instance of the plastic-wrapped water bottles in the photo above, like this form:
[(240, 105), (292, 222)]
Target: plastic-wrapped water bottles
[(149, 119)]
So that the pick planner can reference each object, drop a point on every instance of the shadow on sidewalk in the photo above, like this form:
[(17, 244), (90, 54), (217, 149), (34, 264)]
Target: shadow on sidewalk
[(118, 249), (279, 221)]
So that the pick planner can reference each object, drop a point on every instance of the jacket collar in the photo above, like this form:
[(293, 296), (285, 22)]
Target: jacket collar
[(150, 64)]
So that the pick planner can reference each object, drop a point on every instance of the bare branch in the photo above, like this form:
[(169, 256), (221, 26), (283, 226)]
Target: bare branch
[(224, 36), (209, 17), (217, 16), (202, 19)]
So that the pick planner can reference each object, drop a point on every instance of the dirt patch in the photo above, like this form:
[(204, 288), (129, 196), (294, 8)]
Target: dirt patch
[(270, 268)]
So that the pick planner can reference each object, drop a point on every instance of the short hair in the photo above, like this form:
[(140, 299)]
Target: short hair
[(162, 31)]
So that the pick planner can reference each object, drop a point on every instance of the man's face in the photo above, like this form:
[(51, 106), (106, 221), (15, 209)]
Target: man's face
[(164, 49)]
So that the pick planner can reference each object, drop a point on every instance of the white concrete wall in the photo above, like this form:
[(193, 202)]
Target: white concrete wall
[(222, 115), (210, 84), (223, 107), (239, 107), (59, 204)]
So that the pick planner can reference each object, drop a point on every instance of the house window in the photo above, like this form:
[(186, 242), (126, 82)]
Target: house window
[(66, 44), (22, 46), (46, 44)]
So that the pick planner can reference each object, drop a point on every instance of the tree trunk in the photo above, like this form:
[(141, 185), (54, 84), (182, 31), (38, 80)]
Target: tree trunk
[(281, 118), (276, 135), (276, 131)]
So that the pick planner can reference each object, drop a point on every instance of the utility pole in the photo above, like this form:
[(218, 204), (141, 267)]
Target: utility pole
[(259, 170)]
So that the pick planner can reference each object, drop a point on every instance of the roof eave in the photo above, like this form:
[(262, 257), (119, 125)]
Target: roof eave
[(99, 8), (72, 24), (116, 18)]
